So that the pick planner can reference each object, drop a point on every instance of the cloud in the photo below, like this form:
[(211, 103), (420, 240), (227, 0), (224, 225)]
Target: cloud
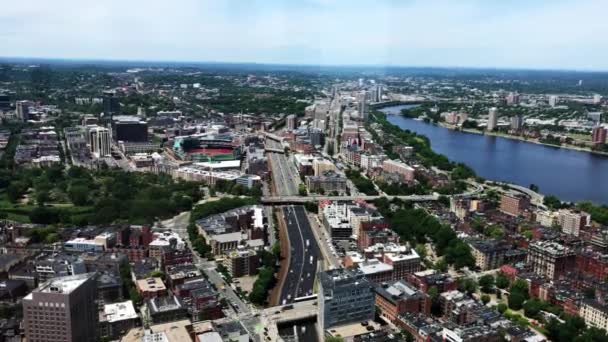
[(517, 33)]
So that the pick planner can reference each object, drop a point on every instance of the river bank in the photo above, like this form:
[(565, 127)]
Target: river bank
[(519, 138)]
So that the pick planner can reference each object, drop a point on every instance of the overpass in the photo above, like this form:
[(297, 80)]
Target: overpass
[(276, 315), (275, 150), (314, 198), (273, 137)]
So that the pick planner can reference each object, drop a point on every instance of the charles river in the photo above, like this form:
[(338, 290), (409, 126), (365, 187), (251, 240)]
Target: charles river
[(568, 174)]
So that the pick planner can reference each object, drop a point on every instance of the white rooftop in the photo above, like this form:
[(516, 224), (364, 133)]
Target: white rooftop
[(119, 311)]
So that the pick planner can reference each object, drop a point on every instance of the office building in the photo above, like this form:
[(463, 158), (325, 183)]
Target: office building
[(345, 296), (598, 135), (23, 110), (129, 128), (329, 182), (320, 166), (550, 259), (291, 121), (99, 139), (517, 122), (492, 118), (111, 106), (62, 309)]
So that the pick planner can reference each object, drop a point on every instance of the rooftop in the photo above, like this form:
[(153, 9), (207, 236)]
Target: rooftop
[(119, 311), (64, 285)]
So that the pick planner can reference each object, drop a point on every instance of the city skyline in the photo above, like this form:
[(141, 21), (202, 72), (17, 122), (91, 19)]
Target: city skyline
[(320, 32)]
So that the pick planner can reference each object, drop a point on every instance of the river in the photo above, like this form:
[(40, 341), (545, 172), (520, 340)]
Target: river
[(568, 174)]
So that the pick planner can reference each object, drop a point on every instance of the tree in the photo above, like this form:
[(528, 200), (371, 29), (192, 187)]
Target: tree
[(552, 202), (534, 187), (502, 282), (516, 301), (467, 285), (520, 286), (501, 307), (333, 339), (485, 299), (302, 190), (533, 307), (441, 265), (486, 283)]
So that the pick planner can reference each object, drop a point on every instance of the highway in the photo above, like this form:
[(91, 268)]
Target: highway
[(304, 256), (286, 199)]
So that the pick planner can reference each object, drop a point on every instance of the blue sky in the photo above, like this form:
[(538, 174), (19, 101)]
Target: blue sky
[(562, 34)]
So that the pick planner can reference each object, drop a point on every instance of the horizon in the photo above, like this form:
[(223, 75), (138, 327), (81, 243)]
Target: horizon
[(134, 62), (536, 35)]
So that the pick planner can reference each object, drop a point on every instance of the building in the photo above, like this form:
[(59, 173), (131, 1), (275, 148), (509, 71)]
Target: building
[(242, 262), (426, 279), (129, 128), (363, 107), (5, 101), (594, 314), (550, 259), (397, 298), (492, 118), (83, 245), (488, 254), (151, 287), (572, 221), (598, 135), (393, 166), (110, 103), (514, 204), (345, 296), (165, 309), (327, 183), (291, 121), (517, 122), (512, 99), (99, 140), (117, 319), (62, 309), (319, 166), (23, 110), (553, 99)]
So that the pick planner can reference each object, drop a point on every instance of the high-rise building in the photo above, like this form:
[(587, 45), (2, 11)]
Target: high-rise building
[(23, 110), (377, 95), (62, 309), (597, 99), (598, 135), (111, 106), (345, 296), (362, 106), (291, 121), (514, 204), (553, 99), (492, 118), (517, 122), (129, 128), (512, 99), (99, 141)]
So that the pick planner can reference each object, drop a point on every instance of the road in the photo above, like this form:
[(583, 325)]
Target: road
[(330, 260), (286, 199), (300, 278)]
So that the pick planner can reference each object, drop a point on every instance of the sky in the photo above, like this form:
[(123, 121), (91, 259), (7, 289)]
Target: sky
[(546, 34)]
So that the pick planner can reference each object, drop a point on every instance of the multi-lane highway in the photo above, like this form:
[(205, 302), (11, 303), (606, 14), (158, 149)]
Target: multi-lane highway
[(303, 258)]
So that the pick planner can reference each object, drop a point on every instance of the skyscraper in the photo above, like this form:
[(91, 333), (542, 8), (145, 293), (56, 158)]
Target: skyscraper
[(363, 110), (62, 309), (23, 110), (5, 101), (512, 98), (291, 121), (492, 118), (99, 139), (129, 128)]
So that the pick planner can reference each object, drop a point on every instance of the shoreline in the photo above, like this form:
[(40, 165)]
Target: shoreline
[(518, 138)]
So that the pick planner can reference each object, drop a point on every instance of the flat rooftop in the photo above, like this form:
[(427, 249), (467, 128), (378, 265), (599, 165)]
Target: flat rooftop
[(63, 285), (119, 311)]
